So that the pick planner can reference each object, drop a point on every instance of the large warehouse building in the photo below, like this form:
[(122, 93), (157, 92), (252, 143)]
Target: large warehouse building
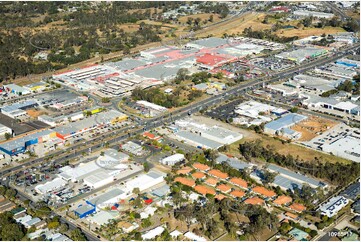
[(282, 126)]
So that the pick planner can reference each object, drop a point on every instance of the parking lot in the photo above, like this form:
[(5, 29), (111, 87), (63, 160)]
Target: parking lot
[(272, 63)]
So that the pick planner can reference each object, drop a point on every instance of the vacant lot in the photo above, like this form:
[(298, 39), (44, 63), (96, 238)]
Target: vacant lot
[(313, 126), (303, 33), (295, 150)]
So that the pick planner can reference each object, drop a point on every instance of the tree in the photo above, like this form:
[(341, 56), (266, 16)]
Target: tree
[(146, 166), (294, 110), (268, 177), (63, 228), (77, 235), (53, 225), (11, 232), (7, 136), (10, 193), (105, 100), (346, 86), (182, 74), (211, 18)]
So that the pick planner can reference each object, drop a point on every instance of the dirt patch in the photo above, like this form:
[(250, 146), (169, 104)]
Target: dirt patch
[(313, 127), (34, 113)]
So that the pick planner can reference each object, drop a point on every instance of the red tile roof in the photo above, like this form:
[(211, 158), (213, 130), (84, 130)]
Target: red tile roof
[(282, 200), (254, 201), (185, 181), (263, 191), (210, 59), (201, 167), (237, 193), (184, 170), (218, 173), (224, 188), (204, 190), (239, 182), (297, 207), (198, 175), (220, 196), (211, 181)]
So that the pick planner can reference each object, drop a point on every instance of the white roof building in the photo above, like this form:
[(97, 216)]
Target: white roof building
[(144, 181), (102, 217), (345, 147), (151, 106), (193, 237), (98, 179), (50, 186), (151, 234), (172, 160), (333, 206)]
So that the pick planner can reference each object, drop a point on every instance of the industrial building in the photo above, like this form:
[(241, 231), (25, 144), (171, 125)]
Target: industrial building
[(172, 160), (282, 126), (144, 182), (18, 90), (95, 173), (3, 130), (37, 86), (20, 145), (18, 109), (305, 13), (51, 186), (346, 147), (106, 199), (205, 136), (338, 71), (333, 206), (312, 83), (84, 210)]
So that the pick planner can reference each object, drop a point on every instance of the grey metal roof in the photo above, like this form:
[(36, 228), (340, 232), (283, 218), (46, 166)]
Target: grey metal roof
[(285, 121), (294, 175), (158, 72), (199, 139), (154, 174), (286, 183), (161, 191), (20, 142), (127, 64), (352, 191), (19, 105), (106, 196), (116, 155), (233, 162), (210, 42), (84, 208)]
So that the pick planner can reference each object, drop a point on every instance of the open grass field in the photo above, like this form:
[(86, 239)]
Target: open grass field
[(202, 16), (303, 33), (310, 127), (295, 150)]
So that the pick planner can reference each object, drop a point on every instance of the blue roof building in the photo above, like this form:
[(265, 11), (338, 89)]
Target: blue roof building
[(84, 210)]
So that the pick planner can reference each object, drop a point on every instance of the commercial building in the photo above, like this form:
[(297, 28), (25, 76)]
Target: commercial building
[(90, 123), (172, 160), (84, 210), (282, 126), (51, 186), (337, 71), (333, 206), (210, 61), (132, 148), (151, 108), (36, 87), (312, 83), (103, 217), (302, 54), (197, 140)]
